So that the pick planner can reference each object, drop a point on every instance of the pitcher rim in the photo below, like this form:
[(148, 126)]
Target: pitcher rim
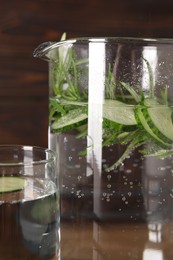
[(46, 46)]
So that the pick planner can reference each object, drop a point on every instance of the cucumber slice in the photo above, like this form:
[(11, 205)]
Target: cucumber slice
[(45, 210), (119, 112), (161, 118), (11, 184), (73, 117), (157, 121)]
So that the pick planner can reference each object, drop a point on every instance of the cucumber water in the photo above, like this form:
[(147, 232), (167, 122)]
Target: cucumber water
[(111, 126), (29, 216)]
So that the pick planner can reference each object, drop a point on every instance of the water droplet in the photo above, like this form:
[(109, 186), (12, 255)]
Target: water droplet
[(70, 158), (123, 198), (128, 171), (162, 168), (135, 165), (109, 177), (79, 177)]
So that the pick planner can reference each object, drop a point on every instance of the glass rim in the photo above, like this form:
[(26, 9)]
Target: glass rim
[(51, 155), (45, 47)]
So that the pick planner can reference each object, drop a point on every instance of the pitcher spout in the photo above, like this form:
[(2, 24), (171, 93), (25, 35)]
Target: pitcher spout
[(49, 51), (43, 50)]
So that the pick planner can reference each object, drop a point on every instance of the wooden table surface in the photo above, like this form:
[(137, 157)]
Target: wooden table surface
[(93, 240), (24, 24)]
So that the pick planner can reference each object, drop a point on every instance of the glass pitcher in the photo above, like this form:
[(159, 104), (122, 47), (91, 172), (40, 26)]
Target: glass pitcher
[(110, 122)]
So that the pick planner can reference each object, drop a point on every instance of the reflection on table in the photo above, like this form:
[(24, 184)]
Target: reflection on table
[(95, 241)]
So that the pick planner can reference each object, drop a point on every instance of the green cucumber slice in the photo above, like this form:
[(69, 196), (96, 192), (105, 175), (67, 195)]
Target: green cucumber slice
[(11, 184), (44, 210), (161, 118), (73, 117), (157, 121), (119, 112)]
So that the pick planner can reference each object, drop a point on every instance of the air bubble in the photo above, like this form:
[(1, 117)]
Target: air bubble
[(135, 165), (162, 168), (79, 178), (128, 171), (65, 140), (70, 158), (109, 177)]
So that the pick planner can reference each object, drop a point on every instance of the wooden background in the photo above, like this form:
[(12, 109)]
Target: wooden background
[(24, 24)]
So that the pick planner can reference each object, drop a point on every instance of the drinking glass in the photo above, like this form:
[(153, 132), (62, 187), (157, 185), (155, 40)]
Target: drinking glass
[(29, 203), (117, 95)]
